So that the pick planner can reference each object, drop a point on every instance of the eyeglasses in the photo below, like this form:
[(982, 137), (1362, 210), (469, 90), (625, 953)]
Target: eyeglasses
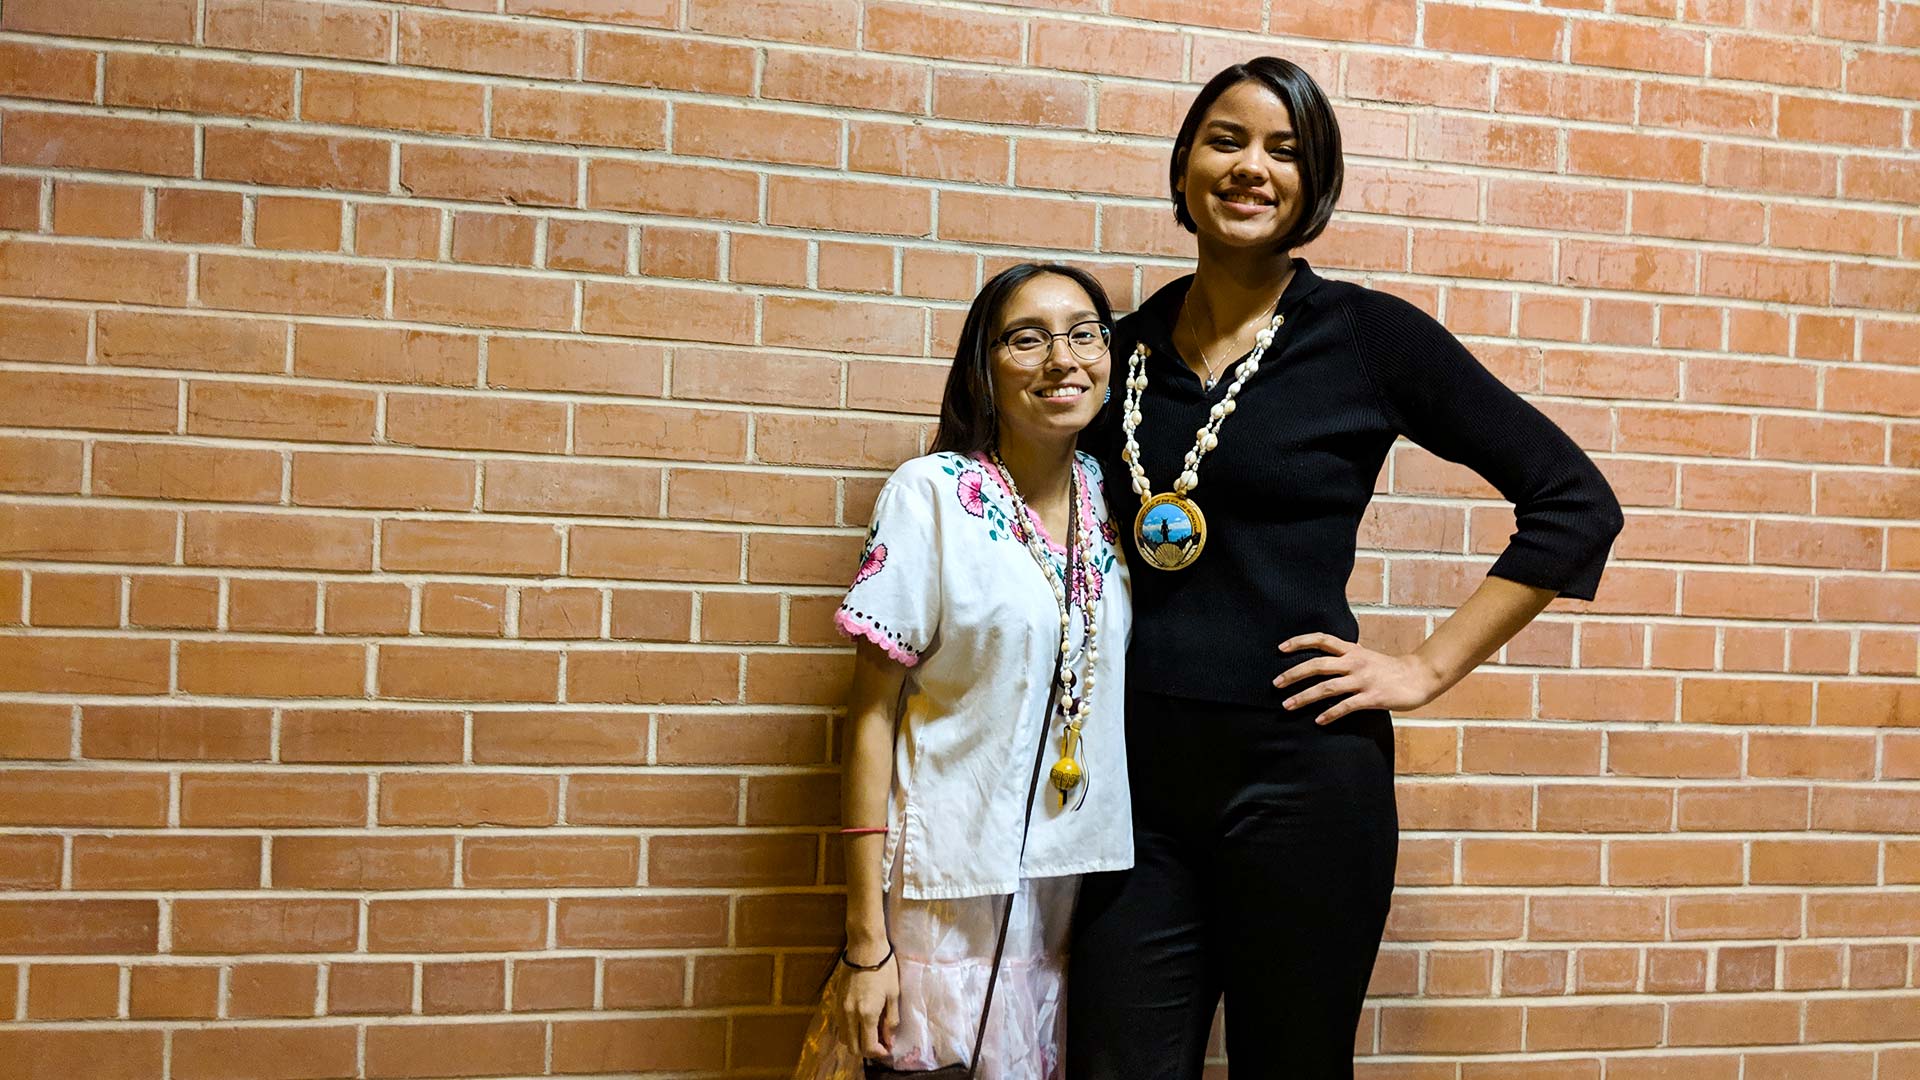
[(1029, 345)]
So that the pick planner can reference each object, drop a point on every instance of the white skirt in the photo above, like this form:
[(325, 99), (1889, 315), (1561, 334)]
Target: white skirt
[(944, 950)]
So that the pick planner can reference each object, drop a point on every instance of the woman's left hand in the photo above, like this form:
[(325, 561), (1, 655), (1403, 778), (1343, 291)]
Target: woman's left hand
[(1368, 679)]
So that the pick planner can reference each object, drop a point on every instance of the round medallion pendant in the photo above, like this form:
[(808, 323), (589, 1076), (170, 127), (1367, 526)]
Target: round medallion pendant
[(1170, 531)]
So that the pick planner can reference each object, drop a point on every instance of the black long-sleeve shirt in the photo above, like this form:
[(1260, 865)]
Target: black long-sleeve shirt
[(1284, 491)]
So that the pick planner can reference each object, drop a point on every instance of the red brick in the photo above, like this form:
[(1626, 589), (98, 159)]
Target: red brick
[(151, 339), (102, 143), (996, 97), (654, 13), (409, 482), (173, 992), (371, 354), (384, 735), (76, 600), (109, 210), (471, 298), (79, 927), (586, 245), (463, 987), (303, 27), (170, 602), (653, 678), (297, 287), (590, 119), (455, 925), (363, 99), (550, 862), (195, 85), (90, 272), (491, 799), (303, 541), (362, 862), (49, 335), (364, 989), (265, 925), (395, 231), (272, 990), (637, 310), (533, 50), (174, 733), (638, 799), (467, 674), (476, 423), (1132, 51), (78, 665), (277, 799), (293, 159), (551, 985), (808, 22), (279, 1052), (267, 605), (852, 81), (73, 991), (463, 609), (668, 188), (192, 473), (286, 223), (522, 179), (29, 862), (670, 62)]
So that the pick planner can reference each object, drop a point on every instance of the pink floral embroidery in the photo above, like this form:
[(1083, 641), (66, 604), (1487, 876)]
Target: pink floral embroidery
[(871, 564), (1088, 584), (970, 494)]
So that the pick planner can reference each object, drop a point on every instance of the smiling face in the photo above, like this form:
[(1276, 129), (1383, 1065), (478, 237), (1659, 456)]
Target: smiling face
[(1241, 175), (1059, 395)]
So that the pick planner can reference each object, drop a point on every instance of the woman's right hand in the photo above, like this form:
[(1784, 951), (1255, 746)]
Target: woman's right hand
[(870, 1010)]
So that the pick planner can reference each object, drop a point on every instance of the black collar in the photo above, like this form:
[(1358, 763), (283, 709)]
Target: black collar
[(1153, 322)]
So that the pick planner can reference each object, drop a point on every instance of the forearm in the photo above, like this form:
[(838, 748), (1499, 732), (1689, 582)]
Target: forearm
[(1496, 611), (866, 780), (868, 774)]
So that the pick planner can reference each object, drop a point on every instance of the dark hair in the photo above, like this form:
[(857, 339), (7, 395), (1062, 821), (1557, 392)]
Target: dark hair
[(1316, 131), (967, 420)]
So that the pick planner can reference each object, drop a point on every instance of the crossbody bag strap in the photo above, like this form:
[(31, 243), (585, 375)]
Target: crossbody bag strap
[(1006, 915), (1033, 788)]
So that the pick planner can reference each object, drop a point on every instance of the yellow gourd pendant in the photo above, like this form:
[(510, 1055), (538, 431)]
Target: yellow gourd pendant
[(1066, 773)]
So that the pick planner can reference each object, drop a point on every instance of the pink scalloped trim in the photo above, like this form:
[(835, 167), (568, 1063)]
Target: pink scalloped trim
[(854, 628)]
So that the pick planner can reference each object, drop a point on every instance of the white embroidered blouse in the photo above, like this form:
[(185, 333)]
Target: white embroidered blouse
[(948, 587)]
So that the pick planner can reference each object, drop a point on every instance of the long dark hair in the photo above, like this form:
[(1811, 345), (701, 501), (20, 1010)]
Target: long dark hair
[(967, 420), (1315, 129)]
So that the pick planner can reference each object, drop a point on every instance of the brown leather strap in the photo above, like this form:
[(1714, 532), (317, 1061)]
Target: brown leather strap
[(1033, 783)]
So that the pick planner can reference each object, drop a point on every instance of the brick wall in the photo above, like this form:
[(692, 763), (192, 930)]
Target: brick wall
[(434, 434)]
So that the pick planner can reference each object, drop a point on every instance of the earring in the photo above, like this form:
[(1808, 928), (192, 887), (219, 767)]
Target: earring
[(1109, 396)]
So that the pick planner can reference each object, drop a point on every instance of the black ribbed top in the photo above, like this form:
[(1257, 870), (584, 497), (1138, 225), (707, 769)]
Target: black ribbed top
[(1283, 492)]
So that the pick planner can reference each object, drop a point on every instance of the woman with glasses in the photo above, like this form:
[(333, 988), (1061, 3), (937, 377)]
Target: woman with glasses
[(1261, 402), (984, 765)]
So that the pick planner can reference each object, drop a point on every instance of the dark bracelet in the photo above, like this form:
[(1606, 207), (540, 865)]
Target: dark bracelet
[(866, 967)]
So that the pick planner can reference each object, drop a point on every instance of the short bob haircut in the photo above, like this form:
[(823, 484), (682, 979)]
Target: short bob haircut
[(968, 423), (1315, 129)]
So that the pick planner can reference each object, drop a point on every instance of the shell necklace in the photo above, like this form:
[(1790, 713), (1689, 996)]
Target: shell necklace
[(1071, 709), (1170, 530)]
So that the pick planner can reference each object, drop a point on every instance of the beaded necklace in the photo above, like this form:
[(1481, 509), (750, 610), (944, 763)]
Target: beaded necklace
[(1071, 709), (1170, 530)]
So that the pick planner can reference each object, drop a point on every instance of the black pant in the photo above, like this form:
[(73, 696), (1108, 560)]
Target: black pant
[(1264, 848)]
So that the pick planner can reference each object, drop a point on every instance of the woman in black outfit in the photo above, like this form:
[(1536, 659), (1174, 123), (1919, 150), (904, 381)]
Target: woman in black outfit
[(1261, 401)]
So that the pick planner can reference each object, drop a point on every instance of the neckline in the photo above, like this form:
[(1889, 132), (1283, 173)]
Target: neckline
[(1162, 310), (985, 461)]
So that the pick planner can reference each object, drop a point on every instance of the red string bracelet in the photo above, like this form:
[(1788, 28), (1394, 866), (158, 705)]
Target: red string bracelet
[(863, 832)]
